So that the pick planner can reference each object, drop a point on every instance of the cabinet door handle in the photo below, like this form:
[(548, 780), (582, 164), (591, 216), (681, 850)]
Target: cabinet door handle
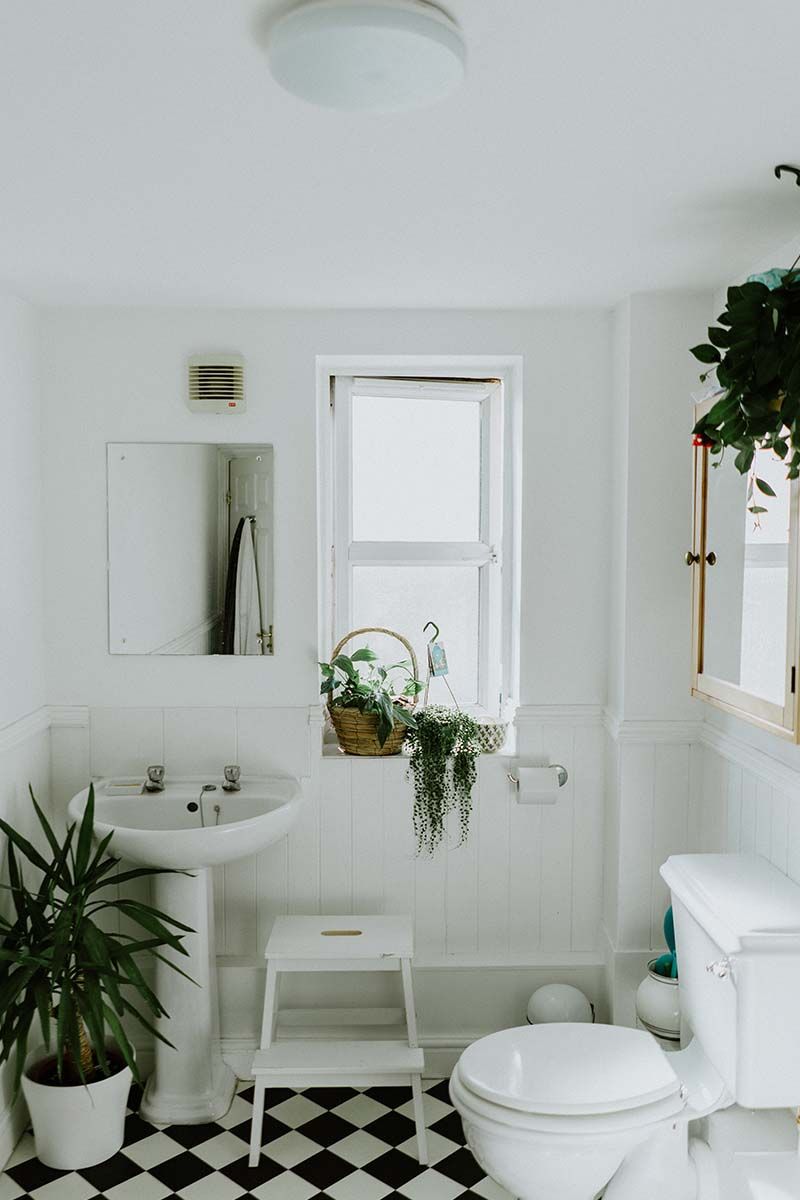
[(711, 558), (690, 558)]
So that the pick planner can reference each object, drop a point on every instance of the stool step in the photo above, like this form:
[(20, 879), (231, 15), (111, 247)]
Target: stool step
[(347, 937), (296, 1057)]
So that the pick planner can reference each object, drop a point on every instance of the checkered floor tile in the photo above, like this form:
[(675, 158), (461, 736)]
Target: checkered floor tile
[(324, 1142)]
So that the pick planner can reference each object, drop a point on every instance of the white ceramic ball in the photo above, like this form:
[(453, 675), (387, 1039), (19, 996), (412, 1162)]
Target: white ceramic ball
[(559, 1002)]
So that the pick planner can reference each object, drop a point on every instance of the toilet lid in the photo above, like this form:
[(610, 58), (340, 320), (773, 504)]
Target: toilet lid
[(568, 1068)]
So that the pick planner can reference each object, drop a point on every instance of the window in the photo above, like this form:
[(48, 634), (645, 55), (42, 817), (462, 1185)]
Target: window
[(421, 525)]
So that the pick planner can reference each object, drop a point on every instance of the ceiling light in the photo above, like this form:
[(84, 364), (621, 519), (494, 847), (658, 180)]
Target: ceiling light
[(368, 55)]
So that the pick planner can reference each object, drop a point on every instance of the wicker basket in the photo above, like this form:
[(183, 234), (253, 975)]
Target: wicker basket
[(358, 732), (491, 735)]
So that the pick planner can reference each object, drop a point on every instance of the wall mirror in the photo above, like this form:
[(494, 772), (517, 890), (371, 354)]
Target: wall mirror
[(745, 611), (190, 548)]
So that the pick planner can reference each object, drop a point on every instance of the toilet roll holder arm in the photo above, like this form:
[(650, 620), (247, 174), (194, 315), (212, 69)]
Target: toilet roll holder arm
[(563, 776)]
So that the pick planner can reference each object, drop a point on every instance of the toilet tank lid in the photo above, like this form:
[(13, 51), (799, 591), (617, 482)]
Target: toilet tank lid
[(742, 901), (568, 1069)]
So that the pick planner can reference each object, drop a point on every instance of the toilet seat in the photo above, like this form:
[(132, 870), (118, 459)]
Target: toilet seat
[(569, 1070), (513, 1122)]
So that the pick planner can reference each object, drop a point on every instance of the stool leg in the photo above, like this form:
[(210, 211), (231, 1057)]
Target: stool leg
[(257, 1122), (419, 1120), (408, 999), (270, 1019)]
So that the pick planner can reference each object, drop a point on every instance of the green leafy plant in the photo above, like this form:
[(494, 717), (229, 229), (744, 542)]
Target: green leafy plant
[(373, 692), (58, 967), (754, 352), (444, 754)]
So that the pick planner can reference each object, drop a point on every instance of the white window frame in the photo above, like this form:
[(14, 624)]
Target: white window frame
[(496, 383)]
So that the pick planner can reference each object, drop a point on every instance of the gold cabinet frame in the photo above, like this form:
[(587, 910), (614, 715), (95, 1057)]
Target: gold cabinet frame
[(782, 719)]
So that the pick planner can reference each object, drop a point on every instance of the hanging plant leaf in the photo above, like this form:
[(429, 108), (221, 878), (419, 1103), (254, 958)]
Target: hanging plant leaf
[(764, 487), (755, 349), (706, 354)]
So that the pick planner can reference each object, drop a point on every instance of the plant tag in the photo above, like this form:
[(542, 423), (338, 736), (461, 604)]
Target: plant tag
[(437, 658)]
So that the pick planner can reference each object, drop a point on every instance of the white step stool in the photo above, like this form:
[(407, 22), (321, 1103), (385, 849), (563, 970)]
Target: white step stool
[(337, 944)]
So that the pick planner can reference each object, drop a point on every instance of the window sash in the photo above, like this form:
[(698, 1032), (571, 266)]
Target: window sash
[(484, 553)]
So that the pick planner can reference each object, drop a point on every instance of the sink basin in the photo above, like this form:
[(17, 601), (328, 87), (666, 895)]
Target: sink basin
[(177, 828), (158, 829)]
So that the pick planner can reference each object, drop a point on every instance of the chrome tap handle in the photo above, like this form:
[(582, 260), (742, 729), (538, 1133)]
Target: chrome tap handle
[(232, 776), (155, 779)]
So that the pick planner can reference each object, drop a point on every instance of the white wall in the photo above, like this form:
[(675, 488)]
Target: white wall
[(654, 797), (656, 461), (525, 893), (119, 376), (22, 688), (24, 739)]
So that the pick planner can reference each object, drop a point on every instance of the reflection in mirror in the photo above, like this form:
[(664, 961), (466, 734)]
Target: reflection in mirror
[(747, 590), (190, 536)]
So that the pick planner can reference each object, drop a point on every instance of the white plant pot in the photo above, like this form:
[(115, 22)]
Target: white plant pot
[(78, 1126), (658, 1005)]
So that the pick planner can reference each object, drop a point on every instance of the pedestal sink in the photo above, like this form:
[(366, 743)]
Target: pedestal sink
[(180, 828)]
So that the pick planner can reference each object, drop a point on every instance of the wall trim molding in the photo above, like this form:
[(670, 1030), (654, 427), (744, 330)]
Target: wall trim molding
[(71, 715), (736, 750), (673, 732), (25, 728), (558, 714)]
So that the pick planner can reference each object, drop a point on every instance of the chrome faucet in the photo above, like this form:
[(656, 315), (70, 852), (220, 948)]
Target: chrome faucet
[(155, 779), (232, 776)]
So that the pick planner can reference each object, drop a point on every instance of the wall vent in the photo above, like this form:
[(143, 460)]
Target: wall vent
[(216, 383)]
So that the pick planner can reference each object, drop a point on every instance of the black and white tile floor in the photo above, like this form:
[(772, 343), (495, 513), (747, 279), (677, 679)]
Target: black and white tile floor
[(324, 1142)]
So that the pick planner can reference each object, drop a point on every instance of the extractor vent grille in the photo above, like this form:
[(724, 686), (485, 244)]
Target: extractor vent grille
[(216, 383)]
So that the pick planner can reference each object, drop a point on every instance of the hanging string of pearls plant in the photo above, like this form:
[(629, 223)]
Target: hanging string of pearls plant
[(444, 754)]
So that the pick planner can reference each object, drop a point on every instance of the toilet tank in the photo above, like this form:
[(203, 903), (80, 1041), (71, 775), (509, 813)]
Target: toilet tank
[(737, 929)]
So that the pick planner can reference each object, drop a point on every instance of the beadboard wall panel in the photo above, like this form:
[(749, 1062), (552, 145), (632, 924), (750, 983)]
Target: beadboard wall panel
[(752, 804), (24, 760), (526, 887), (663, 799)]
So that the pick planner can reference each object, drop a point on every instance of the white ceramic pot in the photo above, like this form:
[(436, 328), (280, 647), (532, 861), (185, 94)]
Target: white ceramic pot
[(658, 1005), (78, 1126)]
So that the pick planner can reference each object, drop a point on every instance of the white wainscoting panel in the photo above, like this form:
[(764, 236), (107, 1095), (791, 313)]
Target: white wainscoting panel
[(24, 760), (660, 801), (519, 904), (752, 801), (527, 885)]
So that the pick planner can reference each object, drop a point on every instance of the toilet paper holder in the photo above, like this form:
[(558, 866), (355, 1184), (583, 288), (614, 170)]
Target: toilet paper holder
[(563, 775)]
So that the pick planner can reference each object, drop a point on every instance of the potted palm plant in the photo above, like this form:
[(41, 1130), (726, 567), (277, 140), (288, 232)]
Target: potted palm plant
[(65, 977)]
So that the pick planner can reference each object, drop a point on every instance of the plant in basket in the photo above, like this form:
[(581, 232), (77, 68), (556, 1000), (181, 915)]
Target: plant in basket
[(370, 705)]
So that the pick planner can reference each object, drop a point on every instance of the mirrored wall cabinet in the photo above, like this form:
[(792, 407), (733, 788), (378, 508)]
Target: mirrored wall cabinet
[(190, 549), (745, 608)]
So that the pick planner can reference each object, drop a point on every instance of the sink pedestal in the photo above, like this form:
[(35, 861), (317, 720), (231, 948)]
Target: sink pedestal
[(190, 1084)]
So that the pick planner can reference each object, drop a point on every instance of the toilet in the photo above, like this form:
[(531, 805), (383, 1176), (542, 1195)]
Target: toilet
[(567, 1110)]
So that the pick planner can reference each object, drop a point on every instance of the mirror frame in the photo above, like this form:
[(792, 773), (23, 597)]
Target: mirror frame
[(781, 719)]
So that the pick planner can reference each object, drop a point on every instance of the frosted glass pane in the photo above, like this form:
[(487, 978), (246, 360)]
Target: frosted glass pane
[(416, 470), (405, 598)]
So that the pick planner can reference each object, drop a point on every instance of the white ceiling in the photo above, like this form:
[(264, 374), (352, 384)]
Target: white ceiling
[(599, 147)]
